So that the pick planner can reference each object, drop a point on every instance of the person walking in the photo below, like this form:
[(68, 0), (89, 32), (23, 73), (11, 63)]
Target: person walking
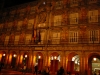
[(36, 70), (60, 71)]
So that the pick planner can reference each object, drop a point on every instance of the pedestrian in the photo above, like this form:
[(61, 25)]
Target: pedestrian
[(0, 66), (47, 71), (60, 71), (23, 69), (95, 73), (43, 71), (36, 69)]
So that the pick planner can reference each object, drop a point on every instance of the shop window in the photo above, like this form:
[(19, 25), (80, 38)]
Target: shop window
[(93, 16)]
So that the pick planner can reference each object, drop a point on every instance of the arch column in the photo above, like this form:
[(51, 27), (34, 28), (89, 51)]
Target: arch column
[(18, 58), (44, 60), (82, 64), (64, 60), (29, 59)]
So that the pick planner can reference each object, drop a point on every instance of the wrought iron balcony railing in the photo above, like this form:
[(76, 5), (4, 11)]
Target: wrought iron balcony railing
[(49, 42)]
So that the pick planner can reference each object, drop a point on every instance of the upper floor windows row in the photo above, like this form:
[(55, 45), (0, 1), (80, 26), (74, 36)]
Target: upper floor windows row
[(74, 18), (54, 37), (18, 25), (59, 4)]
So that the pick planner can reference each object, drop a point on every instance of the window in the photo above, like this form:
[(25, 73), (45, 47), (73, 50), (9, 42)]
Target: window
[(22, 11), (6, 40), (92, 1), (93, 16), (94, 36), (42, 25), (59, 4), (57, 20), (73, 2), (74, 18), (9, 26), (28, 38), (32, 10), (43, 36), (73, 37), (16, 39), (30, 24), (1, 26), (56, 38), (19, 25)]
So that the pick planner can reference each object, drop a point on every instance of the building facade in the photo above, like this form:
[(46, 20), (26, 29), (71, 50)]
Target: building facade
[(51, 33)]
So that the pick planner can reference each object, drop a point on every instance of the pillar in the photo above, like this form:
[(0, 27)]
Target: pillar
[(82, 64)]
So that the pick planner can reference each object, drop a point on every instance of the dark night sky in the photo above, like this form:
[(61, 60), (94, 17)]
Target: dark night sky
[(9, 3)]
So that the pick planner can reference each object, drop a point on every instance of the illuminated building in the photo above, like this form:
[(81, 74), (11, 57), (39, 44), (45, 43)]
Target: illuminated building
[(52, 33)]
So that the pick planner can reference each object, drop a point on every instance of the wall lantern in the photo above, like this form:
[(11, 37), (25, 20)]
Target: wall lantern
[(4, 55)]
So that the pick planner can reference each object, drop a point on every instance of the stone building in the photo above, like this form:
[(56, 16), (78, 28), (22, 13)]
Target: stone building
[(52, 33)]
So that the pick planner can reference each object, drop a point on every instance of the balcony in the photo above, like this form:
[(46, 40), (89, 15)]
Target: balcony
[(49, 42)]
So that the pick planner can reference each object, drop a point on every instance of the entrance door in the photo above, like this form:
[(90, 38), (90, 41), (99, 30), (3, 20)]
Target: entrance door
[(54, 65), (40, 64), (13, 63)]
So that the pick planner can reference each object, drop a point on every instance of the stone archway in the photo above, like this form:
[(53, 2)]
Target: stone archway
[(54, 62), (3, 58), (91, 62), (13, 60), (73, 63), (25, 59), (39, 60)]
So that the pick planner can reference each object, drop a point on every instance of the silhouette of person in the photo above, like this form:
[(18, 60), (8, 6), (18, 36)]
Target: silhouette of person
[(60, 71), (36, 69)]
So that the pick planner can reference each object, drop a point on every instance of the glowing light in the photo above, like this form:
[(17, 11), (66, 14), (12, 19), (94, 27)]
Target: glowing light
[(4, 54), (94, 59), (14, 55), (55, 57), (43, 2), (73, 58), (39, 57), (76, 62), (25, 56), (51, 57)]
